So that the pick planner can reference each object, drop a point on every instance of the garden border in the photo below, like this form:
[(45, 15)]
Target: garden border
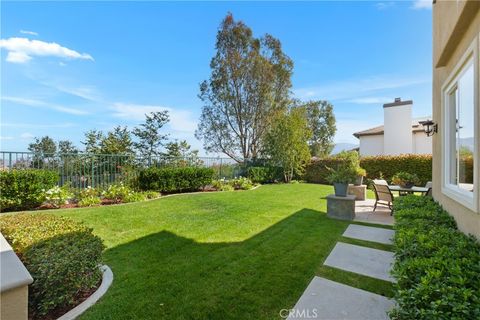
[(107, 279)]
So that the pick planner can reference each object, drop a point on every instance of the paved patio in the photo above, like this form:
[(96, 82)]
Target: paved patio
[(364, 213)]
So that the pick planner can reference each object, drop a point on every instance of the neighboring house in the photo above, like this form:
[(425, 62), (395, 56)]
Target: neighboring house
[(400, 134), (456, 111)]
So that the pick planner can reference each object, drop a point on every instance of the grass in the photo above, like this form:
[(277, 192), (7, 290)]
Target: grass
[(230, 255)]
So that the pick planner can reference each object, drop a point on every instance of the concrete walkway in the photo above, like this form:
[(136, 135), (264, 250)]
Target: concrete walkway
[(364, 213), (329, 300), (380, 235), (362, 260)]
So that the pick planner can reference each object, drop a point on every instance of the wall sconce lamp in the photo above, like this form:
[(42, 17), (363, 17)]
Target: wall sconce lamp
[(430, 127)]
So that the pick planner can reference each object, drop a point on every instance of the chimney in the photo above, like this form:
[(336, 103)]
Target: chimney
[(397, 122)]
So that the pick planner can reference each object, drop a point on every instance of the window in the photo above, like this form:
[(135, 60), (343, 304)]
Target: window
[(459, 134)]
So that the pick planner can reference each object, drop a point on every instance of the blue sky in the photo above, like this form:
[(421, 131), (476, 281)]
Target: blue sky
[(113, 61)]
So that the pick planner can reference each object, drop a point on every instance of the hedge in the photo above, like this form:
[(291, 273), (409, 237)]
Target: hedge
[(61, 255), (377, 166), (267, 174), (23, 189), (437, 267), (175, 179)]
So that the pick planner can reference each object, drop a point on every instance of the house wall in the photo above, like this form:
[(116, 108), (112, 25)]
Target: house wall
[(397, 122), (371, 145), (421, 144), (455, 25)]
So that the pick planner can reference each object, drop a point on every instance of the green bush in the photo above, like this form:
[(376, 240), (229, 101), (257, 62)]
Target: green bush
[(376, 166), (24, 189), (222, 185), (89, 197), (117, 192), (437, 267), (268, 174), (388, 166), (61, 255), (175, 179), (57, 196)]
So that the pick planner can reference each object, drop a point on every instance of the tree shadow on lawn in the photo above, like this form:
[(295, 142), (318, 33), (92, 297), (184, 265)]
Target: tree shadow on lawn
[(166, 276)]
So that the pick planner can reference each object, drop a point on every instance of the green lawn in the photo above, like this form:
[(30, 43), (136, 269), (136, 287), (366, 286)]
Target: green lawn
[(229, 255)]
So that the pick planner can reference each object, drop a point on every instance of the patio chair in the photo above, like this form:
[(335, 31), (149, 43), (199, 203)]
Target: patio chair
[(380, 181), (428, 185), (383, 196)]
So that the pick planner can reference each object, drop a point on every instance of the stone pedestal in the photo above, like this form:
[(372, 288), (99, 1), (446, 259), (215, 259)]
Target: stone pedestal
[(341, 207), (360, 192)]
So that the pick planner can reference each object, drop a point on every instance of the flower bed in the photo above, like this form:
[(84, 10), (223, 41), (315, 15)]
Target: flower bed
[(437, 267)]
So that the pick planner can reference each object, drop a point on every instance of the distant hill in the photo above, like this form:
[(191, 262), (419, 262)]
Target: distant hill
[(339, 147), (467, 142)]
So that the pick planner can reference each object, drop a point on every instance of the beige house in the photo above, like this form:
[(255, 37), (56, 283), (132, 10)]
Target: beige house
[(456, 110), (399, 134)]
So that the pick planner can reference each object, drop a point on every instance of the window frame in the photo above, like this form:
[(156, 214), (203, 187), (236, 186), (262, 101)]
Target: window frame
[(465, 198)]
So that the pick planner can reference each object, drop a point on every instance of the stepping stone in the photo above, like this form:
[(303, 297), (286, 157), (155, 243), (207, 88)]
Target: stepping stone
[(326, 299), (362, 260), (380, 235)]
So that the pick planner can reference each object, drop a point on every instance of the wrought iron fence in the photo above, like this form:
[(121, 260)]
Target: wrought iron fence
[(80, 170)]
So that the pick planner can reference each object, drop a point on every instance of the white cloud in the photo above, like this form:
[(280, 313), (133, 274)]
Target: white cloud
[(355, 88), (21, 50), (6, 138), (18, 57), (422, 4), (384, 5), (38, 125), (27, 136), (32, 33), (180, 120), (42, 104)]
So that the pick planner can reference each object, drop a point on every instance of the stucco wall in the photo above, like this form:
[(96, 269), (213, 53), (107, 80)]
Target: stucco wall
[(397, 124), (371, 145), (421, 143), (456, 24), (14, 304)]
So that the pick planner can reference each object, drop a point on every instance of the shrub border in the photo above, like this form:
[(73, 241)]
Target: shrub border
[(107, 279)]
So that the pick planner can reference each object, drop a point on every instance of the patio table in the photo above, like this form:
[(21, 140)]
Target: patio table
[(400, 189)]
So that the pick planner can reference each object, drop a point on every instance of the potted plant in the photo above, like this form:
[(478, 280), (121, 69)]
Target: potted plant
[(340, 178), (360, 174), (405, 179)]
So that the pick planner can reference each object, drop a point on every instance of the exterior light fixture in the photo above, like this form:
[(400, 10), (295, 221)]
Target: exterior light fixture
[(429, 127)]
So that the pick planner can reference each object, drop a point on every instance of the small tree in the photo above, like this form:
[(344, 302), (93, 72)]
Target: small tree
[(67, 146), (321, 121), (117, 141), (93, 139), (286, 142), (149, 137), (43, 147), (43, 150), (180, 153)]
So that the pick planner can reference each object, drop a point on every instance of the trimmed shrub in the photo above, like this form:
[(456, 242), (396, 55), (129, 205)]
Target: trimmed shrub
[(317, 171), (437, 267), (376, 167), (175, 179), (268, 174), (24, 189), (62, 256), (388, 166)]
